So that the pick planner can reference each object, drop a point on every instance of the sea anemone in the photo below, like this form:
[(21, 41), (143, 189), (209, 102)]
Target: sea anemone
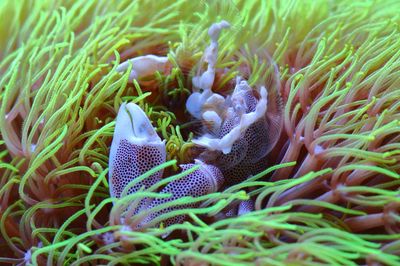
[(328, 193)]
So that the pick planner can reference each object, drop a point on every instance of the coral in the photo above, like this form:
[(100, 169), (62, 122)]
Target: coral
[(328, 193)]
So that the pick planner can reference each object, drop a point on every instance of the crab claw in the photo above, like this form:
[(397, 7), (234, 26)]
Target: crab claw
[(136, 148), (205, 180)]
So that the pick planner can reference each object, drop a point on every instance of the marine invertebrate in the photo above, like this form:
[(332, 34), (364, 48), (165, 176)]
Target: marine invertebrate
[(144, 65), (136, 149), (206, 179), (238, 140)]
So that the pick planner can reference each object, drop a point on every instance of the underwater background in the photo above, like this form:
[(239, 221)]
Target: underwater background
[(328, 193)]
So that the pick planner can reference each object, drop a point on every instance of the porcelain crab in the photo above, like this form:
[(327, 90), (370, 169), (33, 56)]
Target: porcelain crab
[(238, 136)]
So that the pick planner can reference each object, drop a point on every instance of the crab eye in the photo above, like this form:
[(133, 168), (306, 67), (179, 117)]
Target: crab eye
[(244, 97), (136, 148)]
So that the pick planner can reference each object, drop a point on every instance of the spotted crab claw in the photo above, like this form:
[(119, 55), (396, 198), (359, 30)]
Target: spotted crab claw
[(204, 180), (136, 148)]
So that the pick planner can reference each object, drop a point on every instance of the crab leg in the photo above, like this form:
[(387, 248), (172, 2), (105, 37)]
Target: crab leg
[(202, 84), (144, 65)]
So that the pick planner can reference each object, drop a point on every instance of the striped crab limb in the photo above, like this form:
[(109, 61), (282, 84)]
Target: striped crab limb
[(136, 148), (204, 180), (203, 83), (143, 66)]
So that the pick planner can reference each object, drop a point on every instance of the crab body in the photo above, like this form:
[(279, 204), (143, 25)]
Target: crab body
[(235, 144)]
